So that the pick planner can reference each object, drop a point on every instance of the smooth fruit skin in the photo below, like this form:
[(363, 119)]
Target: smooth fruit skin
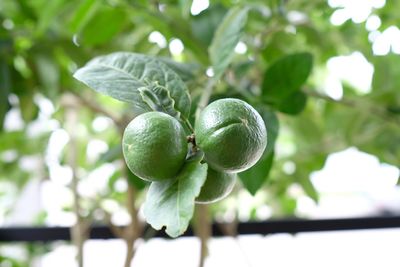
[(154, 146), (217, 186), (231, 134)]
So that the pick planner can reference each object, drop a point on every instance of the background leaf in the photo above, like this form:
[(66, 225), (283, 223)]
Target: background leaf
[(121, 74), (308, 187), (226, 38), (103, 26), (49, 75), (205, 24), (82, 15), (293, 104), (171, 203), (255, 177), (283, 80), (136, 181)]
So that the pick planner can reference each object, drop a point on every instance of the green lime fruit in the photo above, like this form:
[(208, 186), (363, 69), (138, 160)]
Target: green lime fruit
[(217, 186), (154, 146), (231, 134)]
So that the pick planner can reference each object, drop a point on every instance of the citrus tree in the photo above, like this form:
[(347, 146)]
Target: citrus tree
[(66, 66)]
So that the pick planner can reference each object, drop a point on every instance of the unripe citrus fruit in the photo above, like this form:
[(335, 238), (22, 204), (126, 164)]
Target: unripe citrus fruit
[(154, 146), (217, 186), (231, 134)]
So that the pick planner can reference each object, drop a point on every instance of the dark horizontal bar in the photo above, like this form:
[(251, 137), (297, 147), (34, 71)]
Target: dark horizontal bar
[(47, 234)]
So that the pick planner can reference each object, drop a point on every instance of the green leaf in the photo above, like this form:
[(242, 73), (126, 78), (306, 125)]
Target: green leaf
[(136, 181), (185, 70), (29, 110), (103, 26), (48, 14), (253, 178), (285, 77), (49, 75), (205, 24), (159, 99), (226, 38), (308, 187), (25, 10), (114, 153), (293, 104), (83, 13), (272, 125), (19, 140), (171, 203), (121, 74)]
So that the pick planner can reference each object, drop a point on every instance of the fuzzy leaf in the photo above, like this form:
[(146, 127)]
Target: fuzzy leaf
[(171, 203), (121, 74), (159, 99)]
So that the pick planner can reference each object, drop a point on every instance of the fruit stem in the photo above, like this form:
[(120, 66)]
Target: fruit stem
[(192, 139), (188, 124)]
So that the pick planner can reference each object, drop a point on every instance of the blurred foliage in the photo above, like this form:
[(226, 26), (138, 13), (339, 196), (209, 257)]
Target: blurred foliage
[(42, 43)]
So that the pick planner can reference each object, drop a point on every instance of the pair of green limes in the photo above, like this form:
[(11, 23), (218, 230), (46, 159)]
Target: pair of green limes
[(229, 131)]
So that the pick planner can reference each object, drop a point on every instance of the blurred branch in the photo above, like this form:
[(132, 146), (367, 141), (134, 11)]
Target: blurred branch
[(130, 232), (370, 108), (97, 108), (118, 232), (203, 230), (80, 231), (134, 230)]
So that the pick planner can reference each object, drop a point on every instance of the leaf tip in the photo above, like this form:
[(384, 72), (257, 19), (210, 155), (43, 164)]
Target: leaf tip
[(78, 74)]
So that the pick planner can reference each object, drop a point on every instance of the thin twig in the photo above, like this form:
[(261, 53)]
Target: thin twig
[(117, 231), (203, 230), (188, 124), (97, 108), (316, 94), (135, 228), (370, 108)]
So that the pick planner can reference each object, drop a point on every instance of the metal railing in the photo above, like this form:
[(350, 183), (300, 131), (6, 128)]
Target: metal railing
[(273, 226)]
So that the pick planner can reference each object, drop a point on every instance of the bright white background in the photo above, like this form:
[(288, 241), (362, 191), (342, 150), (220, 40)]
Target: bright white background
[(352, 183)]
